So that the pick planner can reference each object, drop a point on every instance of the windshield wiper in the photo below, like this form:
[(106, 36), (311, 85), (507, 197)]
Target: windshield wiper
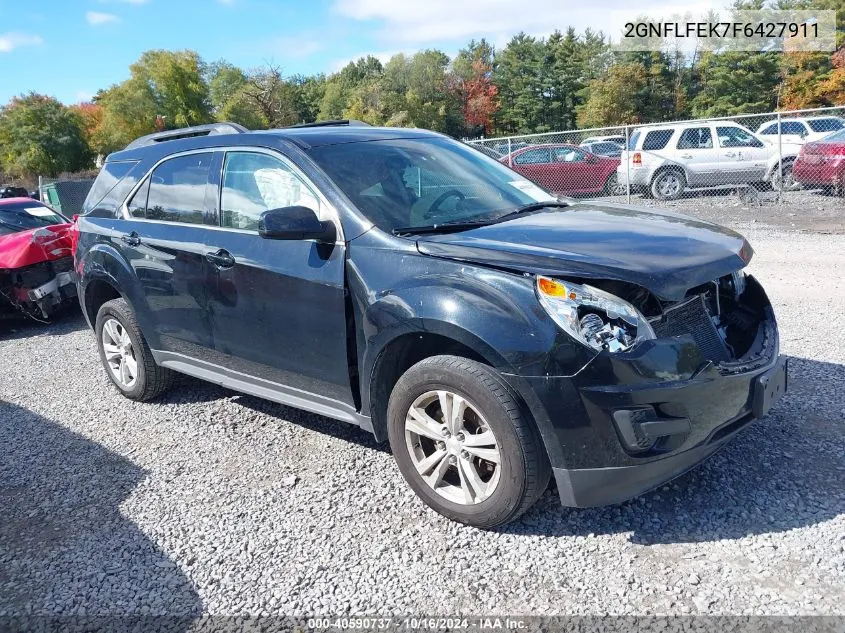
[(531, 206), (446, 227)]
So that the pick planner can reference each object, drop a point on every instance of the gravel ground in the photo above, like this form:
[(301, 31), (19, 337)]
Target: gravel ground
[(213, 502)]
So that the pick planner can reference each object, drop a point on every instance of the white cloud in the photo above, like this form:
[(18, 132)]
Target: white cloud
[(96, 18), (11, 41), (497, 20)]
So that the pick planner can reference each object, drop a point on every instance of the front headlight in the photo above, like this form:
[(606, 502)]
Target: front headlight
[(592, 316)]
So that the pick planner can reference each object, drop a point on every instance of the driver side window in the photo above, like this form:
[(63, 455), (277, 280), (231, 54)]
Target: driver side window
[(730, 136), (254, 183)]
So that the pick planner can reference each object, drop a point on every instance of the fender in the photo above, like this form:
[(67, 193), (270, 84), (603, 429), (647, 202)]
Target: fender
[(103, 262)]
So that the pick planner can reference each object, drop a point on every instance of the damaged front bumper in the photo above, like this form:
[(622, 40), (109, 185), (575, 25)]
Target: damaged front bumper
[(629, 422), (39, 291)]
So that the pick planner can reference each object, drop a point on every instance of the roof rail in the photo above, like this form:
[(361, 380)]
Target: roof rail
[(210, 129), (332, 123)]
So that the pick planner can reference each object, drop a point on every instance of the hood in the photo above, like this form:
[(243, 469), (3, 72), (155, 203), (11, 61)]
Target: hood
[(34, 246), (666, 253)]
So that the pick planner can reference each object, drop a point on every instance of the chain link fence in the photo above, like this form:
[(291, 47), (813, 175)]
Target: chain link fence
[(67, 192), (767, 157)]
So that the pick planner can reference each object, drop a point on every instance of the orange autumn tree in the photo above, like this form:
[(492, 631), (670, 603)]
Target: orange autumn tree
[(479, 99)]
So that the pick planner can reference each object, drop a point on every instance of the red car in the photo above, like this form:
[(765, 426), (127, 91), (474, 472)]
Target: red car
[(822, 163), (566, 169), (36, 259)]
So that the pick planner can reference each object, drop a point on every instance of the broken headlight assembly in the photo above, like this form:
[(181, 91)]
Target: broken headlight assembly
[(593, 317)]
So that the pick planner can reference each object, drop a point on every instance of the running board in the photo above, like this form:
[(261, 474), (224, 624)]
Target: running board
[(261, 388)]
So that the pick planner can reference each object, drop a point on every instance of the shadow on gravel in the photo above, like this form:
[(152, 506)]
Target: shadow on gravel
[(17, 327), (785, 472), (65, 548)]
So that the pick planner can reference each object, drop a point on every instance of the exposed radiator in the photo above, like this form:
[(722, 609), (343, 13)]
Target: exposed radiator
[(691, 317)]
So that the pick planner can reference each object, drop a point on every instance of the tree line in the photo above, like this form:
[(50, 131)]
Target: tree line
[(565, 81)]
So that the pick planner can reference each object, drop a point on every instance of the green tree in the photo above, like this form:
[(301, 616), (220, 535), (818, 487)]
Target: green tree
[(516, 73), (39, 135), (617, 98), (177, 84), (735, 83)]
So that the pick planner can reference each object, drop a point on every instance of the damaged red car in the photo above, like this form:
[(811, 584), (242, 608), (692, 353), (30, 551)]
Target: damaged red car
[(36, 259)]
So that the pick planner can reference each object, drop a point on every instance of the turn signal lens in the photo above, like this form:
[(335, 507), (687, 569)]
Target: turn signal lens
[(551, 288)]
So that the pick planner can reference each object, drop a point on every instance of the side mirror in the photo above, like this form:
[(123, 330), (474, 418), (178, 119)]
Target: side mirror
[(294, 223)]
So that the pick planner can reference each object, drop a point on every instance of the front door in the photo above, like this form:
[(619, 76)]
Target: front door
[(171, 224), (695, 151), (743, 157), (279, 309)]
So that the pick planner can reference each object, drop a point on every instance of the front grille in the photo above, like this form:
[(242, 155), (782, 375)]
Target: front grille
[(692, 318)]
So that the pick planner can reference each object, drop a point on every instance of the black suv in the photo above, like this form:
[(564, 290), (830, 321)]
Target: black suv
[(401, 281)]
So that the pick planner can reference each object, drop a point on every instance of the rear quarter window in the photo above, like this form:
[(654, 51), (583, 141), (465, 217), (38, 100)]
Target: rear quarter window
[(110, 188), (657, 139), (826, 125)]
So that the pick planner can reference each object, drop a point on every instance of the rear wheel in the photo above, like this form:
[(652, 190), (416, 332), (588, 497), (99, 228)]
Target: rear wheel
[(668, 185), (125, 354), (612, 186), (463, 443), (785, 182)]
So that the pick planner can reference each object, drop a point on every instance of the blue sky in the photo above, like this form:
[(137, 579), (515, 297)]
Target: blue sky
[(71, 48)]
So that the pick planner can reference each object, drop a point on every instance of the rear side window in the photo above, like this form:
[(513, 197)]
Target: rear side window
[(177, 191), (792, 127), (770, 129), (826, 125), (657, 139), (696, 138), (534, 157), (109, 177)]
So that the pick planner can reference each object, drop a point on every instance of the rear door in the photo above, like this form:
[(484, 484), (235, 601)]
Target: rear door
[(743, 157), (696, 152), (573, 173), (170, 227), (536, 165), (279, 310)]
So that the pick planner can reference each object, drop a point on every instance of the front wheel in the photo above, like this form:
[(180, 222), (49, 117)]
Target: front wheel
[(787, 181), (125, 354), (462, 442), (668, 185)]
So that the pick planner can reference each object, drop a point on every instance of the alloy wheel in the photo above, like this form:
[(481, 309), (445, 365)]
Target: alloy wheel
[(669, 185), (119, 353), (453, 447)]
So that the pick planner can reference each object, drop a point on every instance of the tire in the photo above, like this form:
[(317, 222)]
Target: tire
[(612, 186), (149, 380), (789, 182), (668, 185), (511, 486)]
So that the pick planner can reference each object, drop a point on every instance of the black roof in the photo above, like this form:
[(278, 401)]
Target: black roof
[(304, 137)]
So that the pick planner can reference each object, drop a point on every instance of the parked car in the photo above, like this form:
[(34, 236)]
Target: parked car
[(668, 159), (398, 280), (799, 130), (613, 138), (11, 191), (36, 262), (602, 148), (565, 169), (822, 163)]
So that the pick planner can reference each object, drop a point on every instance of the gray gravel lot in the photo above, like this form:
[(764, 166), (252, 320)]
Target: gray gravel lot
[(210, 501)]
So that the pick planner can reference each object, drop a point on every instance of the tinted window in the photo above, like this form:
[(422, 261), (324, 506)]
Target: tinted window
[(657, 139), (696, 138), (730, 136), (792, 127), (254, 183), (177, 190), (138, 204), (632, 140), (424, 181), (606, 148), (533, 157), (826, 125), (569, 155), (770, 129), (20, 216), (109, 176)]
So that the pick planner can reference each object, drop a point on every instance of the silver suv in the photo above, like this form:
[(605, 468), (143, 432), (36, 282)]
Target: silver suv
[(666, 160)]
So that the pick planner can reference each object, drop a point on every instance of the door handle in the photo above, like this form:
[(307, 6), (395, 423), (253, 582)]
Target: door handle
[(221, 258), (686, 156), (132, 239), (730, 154)]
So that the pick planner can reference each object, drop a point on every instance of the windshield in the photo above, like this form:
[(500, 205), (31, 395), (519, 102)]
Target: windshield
[(20, 216), (407, 183)]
